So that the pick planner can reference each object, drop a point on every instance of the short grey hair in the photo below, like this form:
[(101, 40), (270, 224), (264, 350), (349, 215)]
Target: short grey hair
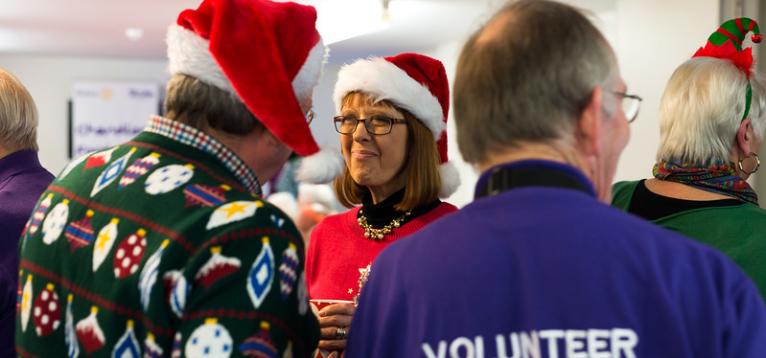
[(203, 106), (702, 108), (18, 114), (526, 76)]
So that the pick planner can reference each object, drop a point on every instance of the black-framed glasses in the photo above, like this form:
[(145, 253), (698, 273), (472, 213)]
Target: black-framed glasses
[(376, 125), (630, 105), (309, 116)]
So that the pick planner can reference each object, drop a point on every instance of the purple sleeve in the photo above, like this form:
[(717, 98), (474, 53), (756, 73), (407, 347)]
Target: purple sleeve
[(747, 323), (381, 314)]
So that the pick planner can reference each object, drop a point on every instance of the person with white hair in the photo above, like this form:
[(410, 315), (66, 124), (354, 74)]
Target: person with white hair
[(22, 179), (712, 122)]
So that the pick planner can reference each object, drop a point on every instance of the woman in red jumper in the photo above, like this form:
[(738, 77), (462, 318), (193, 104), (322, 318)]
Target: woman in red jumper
[(392, 124)]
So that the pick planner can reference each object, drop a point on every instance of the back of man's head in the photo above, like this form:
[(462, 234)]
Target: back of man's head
[(526, 76), (18, 115)]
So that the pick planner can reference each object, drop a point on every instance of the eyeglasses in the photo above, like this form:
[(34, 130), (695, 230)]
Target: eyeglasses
[(376, 125), (309, 116), (630, 105)]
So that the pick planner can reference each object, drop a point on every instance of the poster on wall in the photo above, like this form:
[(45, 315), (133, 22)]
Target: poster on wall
[(104, 114)]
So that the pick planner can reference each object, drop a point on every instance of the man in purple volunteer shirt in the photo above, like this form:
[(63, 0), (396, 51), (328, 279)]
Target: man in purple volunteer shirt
[(22, 179), (539, 265)]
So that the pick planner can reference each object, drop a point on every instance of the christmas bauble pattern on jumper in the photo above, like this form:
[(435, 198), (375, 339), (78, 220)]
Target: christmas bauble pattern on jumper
[(148, 276), (104, 242), (55, 221), (26, 303), (129, 253), (46, 311), (168, 178), (127, 346), (80, 233), (216, 268), (89, 332), (209, 340), (179, 289), (99, 159), (111, 172), (288, 275), (151, 348), (139, 167), (70, 337), (39, 214), (205, 195), (177, 351), (261, 275), (259, 345), (233, 212)]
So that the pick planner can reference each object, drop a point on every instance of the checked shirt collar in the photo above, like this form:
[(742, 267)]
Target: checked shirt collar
[(193, 137)]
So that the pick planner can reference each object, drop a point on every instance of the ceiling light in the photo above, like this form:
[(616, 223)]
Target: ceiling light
[(134, 33)]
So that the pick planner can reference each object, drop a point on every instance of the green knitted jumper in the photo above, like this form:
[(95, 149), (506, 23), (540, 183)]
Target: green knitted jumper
[(161, 247)]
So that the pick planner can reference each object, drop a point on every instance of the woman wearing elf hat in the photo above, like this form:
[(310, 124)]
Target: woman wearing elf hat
[(392, 115), (712, 125)]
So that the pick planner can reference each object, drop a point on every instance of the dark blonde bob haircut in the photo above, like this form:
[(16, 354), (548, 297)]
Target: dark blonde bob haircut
[(421, 168)]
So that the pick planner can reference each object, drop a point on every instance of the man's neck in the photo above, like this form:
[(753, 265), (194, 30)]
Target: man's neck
[(556, 153), (4, 152)]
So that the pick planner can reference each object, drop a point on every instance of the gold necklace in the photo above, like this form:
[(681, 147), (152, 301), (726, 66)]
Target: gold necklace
[(378, 234)]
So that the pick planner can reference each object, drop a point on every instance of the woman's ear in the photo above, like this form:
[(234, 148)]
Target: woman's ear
[(745, 137)]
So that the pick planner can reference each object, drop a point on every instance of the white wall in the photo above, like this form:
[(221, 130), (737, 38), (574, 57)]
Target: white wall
[(49, 79)]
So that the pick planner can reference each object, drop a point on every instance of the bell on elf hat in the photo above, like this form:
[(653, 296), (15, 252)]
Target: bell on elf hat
[(268, 54), (413, 82), (726, 44)]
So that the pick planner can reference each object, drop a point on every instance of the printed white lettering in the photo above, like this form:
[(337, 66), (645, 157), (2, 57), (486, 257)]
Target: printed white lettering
[(552, 335), (513, 338), (479, 345), (597, 343), (624, 342), (530, 345), (575, 340), (430, 352), (454, 348)]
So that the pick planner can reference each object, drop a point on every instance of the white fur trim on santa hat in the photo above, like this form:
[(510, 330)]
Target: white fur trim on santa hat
[(190, 54), (450, 179), (385, 81), (321, 167), (309, 74)]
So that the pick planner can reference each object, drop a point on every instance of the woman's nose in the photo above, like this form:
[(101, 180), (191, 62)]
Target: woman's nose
[(360, 133)]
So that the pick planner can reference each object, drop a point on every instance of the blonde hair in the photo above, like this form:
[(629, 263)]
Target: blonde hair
[(18, 114), (702, 108), (421, 168)]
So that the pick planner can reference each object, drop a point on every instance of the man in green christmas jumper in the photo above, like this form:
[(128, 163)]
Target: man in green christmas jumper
[(162, 246)]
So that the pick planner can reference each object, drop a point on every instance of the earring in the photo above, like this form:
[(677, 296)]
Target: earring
[(757, 164)]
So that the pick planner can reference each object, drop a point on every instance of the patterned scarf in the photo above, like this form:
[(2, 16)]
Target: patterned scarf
[(718, 178)]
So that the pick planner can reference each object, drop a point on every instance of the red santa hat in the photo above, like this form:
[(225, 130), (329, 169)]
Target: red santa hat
[(268, 54), (413, 82)]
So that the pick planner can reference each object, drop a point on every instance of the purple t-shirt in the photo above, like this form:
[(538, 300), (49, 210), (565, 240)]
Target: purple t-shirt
[(22, 180), (550, 272)]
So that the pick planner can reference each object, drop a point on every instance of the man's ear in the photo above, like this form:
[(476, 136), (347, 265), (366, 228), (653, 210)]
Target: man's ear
[(745, 137), (588, 131)]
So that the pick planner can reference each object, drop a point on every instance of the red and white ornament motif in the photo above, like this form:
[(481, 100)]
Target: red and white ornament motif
[(216, 268), (89, 332), (151, 348), (139, 167), (129, 253), (39, 214), (47, 311), (99, 159)]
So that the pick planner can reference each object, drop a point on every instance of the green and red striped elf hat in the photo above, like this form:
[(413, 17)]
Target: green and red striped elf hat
[(726, 43)]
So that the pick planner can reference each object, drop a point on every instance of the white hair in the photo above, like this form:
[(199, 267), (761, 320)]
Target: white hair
[(18, 115), (702, 108)]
